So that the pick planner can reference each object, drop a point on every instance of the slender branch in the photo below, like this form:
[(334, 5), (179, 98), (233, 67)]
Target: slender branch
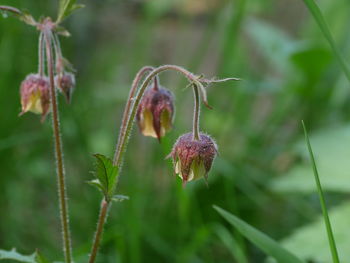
[(124, 140), (41, 49), (62, 195), (127, 122), (196, 113), (101, 221), (58, 53), (132, 92)]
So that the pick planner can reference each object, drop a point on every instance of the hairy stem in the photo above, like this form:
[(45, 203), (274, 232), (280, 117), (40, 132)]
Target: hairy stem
[(41, 50), (104, 204), (196, 113), (132, 92), (62, 195), (127, 122), (124, 140), (101, 221)]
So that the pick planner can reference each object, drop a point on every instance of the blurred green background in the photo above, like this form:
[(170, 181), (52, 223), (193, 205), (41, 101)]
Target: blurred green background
[(262, 173)]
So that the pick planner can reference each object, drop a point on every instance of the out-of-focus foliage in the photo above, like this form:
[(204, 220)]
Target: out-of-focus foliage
[(289, 73), (332, 156), (315, 234)]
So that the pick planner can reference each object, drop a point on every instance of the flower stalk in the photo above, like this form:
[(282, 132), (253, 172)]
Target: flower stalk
[(127, 124), (196, 113), (62, 195), (101, 221)]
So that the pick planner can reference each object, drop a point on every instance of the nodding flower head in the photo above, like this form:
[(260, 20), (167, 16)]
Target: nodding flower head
[(35, 95), (66, 84), (193, 158), (155, 113)]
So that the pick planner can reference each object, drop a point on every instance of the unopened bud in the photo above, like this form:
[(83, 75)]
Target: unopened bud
[(35, 95), (66, 84), (193, 158), (155, 113)]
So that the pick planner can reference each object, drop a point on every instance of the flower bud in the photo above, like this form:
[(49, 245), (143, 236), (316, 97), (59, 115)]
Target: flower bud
[(156, 112), (66, 84), (193, 158), (35, 95)]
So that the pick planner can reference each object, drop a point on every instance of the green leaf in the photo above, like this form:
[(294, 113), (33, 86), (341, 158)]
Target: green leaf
[(332, 244), (309, 242), (120, 198), (66, 8), (14, 255), (261, 240), (107, 175), (39, 258), (317, 14)]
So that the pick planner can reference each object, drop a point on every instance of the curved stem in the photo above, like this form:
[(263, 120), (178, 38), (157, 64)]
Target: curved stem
[(196, 113), (101, 221), (192, 78), (132, 92), (127, 122), (62, 195)]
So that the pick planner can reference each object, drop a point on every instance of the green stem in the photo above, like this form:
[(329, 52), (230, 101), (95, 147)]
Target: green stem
[(101, 221), (123, 143), (41, 49), (196, 113), (62, 195), (132, 92), (127, 122)]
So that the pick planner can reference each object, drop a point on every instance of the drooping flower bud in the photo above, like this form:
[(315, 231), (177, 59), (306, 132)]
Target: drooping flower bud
[(66, 84), (155, 113), (35, 95), (193, 158)]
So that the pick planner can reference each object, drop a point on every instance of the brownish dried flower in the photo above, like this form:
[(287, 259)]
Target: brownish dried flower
[(193, 158), (66, 84), (155, 113), (35, 95)]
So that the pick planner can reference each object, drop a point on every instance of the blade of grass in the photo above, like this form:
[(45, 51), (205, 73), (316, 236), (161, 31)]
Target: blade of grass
[(317, 14), (261, 240), (231, 243), (327, 222)]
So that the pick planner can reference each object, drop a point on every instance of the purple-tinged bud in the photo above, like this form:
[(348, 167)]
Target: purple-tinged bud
[(66, 84), (35, 95), (155, 113), (193, 158)]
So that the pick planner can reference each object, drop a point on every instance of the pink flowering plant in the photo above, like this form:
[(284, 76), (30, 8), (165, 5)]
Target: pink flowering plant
[(149, 103)]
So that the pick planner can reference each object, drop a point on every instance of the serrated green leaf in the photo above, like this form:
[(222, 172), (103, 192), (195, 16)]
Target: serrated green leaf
[(14, 255), (98, 185), (39, 258), (120, 198), (62, 31), (107, 175), (66, 8), (261, 240)]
